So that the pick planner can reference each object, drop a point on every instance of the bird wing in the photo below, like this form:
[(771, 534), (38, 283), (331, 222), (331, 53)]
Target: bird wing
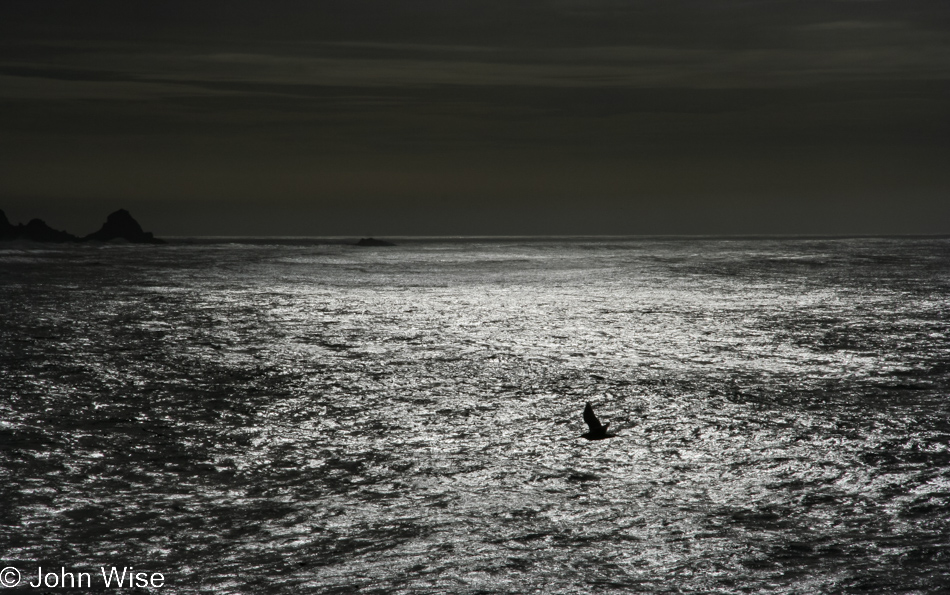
[(592, 422)]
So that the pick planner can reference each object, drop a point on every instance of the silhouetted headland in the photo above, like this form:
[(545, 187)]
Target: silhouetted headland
[(118, 226), (373, 242), (597, 431)]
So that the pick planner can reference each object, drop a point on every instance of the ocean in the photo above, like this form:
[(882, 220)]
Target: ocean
[(304, 416)]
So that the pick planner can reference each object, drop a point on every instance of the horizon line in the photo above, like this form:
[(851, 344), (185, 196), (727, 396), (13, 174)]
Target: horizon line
[(410, 237)]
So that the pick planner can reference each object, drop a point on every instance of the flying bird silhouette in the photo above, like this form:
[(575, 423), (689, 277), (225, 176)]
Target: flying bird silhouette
[(597, 431)]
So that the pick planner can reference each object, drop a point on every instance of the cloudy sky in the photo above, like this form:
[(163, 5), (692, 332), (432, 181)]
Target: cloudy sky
[(445, 117)]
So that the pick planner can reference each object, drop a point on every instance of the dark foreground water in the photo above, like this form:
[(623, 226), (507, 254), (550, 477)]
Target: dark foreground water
[(254, 418)]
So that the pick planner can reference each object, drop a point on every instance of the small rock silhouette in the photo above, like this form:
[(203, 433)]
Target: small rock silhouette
[(121, 225), (373, 242), (38, 231), (8, 231)]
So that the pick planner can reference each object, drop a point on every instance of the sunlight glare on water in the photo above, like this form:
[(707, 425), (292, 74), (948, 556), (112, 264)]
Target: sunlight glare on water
[(321, 418)]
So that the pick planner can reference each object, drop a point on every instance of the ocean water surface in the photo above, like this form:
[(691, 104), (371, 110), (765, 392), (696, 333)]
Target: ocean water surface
[(306, 417)]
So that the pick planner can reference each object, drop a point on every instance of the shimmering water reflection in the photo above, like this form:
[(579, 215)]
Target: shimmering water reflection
[(323, 418)]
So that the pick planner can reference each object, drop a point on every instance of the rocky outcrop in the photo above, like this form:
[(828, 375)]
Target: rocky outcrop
[(8, 231), (373, 242), (38, 231), (118, 226), (121, 226)]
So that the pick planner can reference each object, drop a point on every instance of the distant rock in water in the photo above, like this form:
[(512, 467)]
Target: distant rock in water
[(121, 226), (8, 231), (373, 242), (38, 231)]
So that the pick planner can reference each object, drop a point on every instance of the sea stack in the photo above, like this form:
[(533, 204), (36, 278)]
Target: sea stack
[(373, 242), (121, 226), (36, 230), (8, 231)]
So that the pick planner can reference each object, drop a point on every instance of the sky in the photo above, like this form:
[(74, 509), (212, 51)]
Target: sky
[(483, 117)]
